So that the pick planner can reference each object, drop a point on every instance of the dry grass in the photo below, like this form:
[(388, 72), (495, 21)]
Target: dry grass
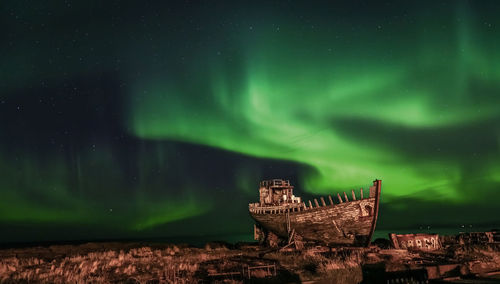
[(140, 264), (173, 264)]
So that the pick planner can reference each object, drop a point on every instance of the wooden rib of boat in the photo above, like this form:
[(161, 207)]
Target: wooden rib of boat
[(281, 216)]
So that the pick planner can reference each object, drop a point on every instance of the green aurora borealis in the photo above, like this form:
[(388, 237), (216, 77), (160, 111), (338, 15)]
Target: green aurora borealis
[(154, 120)]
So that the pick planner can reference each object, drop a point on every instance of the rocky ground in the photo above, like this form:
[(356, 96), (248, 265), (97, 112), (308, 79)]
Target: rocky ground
[(244, 263)]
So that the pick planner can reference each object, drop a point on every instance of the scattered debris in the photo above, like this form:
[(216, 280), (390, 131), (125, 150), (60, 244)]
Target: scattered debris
[(219, 262)]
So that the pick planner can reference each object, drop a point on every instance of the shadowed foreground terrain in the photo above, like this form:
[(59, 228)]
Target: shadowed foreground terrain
[(243, 263)]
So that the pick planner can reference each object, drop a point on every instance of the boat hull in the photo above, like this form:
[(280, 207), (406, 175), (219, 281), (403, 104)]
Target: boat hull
[(341, 224), (349, 223)]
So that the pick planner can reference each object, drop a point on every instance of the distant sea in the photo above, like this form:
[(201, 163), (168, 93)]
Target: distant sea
[(380, 233), (201, 240)]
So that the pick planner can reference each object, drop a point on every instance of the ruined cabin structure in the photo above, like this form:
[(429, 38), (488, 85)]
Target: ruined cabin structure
[(277, 192)]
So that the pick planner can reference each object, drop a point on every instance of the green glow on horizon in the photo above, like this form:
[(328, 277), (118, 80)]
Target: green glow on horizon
[(47, 199), (158, 213)]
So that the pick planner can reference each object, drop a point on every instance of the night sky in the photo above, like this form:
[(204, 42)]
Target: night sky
[(159, 118)]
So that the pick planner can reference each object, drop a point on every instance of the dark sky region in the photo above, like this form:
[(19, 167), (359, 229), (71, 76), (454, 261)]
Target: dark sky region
[(146, 119)]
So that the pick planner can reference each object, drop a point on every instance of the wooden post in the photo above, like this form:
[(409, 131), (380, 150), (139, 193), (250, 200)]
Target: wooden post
[(310, 204), (346, 199), (304, 205), (353, 195), (331, 200), (316, 202), (361, 192), (373, 191), (322, 201), (340, 199), (394, 240)]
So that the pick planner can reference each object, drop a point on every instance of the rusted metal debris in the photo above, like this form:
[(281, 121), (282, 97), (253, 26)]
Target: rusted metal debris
[(260, 271), (433, 242), (283, 219), (473, 238), (247, 271), (423, 242)]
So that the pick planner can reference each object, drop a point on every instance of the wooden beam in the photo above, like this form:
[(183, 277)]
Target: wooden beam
[(331, 200), (346, 199), (316, 202), (340, 199), (310, 204), (361, 193), (353, 195), (322, 201)]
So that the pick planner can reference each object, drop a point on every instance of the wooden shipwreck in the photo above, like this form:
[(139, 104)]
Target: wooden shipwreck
[(283, 218)]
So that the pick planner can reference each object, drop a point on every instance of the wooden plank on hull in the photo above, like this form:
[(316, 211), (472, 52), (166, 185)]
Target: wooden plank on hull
[(377, 185)]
